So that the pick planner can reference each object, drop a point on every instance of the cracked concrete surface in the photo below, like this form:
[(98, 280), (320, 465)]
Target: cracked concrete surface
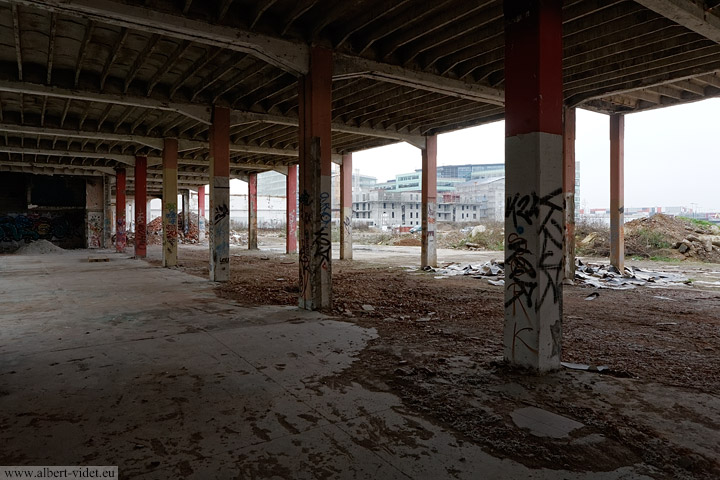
[(121, 363)]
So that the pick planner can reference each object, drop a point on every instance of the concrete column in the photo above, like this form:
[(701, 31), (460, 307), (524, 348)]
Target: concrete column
[(252, 212), (291, 217), (428, 249), (185, 195), (201, 213), (569, 191), (141, 207), (220, 195), (107, 213), (169, 203), (315, 95), (120, 233), (617, 191), (534, 216), (346, 208)]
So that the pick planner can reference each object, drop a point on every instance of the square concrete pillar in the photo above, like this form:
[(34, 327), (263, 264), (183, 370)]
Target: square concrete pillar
[(201, 213), (617, 191), (141, 207), (569, 190), (169, 203), (220, 195), (185, 196), (534, 217), (428, 248), (252, 212), (120, 233), (346, 207), (107, 212), (291, 207), (315, 95)]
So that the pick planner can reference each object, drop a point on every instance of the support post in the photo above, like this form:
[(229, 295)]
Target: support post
[(185, 195), (141, 207), (252, 212), (534, 218), (220, 195), (617, 191), (346, 208), (428, 249), (569, 191), (169, 203), (107, 215), (201, 213), (120, 234), (315, 95), (291, 205)]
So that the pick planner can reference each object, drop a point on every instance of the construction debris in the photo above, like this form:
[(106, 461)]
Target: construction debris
[(594, 275), (39, 247)]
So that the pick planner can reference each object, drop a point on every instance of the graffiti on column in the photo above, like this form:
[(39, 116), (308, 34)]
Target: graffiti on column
[(221, 211), (171, 230), (140, 230), (347, 224), (322, 242), (305, 243), (544, 214), (95, 229), (120, 233)]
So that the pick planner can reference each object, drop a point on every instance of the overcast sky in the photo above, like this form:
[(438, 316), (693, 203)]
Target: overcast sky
[(672, 156)]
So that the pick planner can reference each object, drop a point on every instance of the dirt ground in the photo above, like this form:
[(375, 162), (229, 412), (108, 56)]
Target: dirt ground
[(440, 350)]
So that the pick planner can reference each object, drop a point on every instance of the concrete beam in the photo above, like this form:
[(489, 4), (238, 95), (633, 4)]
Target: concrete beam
[(151, 142), (196, 112), (287, 55), (347, 66), (127, 159), (688, 14)]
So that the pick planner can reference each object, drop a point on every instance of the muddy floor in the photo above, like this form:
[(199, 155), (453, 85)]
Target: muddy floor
[(440, 350)]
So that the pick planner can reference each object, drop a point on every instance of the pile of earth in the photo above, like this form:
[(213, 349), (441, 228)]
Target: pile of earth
[(659, 236), (39, 247)]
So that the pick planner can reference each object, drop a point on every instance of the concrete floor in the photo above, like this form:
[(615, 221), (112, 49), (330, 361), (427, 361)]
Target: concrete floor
[(121, 363)]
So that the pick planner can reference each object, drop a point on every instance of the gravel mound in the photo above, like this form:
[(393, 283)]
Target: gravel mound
[(38, 247)]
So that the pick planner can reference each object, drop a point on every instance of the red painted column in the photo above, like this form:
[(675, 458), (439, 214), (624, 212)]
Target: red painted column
[(346, 207), (220, 195), (428, 250), (534, 216), (315, 113), (252, 212), (120, 233), (569, 191), (617, 191), (291, 202), (201, 213), (141, 207)]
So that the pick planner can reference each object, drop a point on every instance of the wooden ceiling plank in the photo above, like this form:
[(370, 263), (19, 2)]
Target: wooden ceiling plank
[(113, 56), (51, 46)]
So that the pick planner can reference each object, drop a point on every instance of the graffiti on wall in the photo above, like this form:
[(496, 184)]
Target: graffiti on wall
[(534, 277), (171, 227), (64, 229)]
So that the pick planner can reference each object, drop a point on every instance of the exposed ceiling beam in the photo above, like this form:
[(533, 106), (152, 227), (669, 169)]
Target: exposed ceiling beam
[(196, 112), (287, 55), (41, 169), (291, 56), (127, 159), (688, 14), (347, 66)]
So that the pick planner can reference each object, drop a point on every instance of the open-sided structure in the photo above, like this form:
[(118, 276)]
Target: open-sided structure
[(192, 93)]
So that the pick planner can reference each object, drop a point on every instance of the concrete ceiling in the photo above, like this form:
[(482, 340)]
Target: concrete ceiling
[(102, 81)]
